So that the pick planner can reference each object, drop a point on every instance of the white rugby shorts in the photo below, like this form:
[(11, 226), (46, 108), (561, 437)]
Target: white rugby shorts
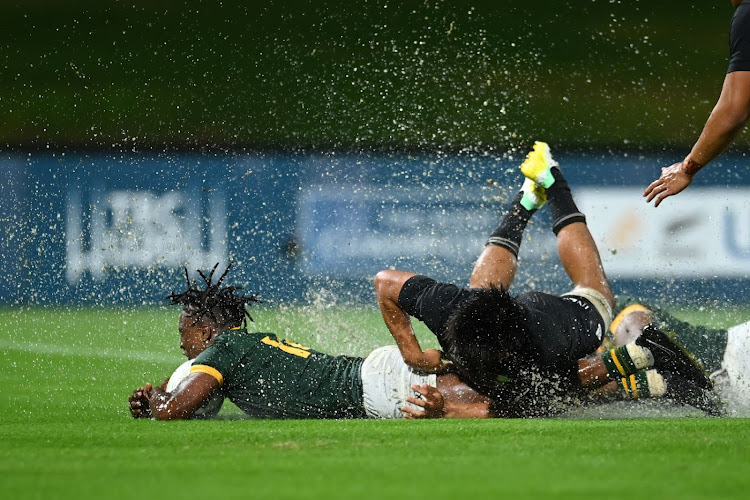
[(597, 300), (732, 382), (386, 383)]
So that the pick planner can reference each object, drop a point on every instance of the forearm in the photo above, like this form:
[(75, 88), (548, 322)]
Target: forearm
[(466, 410), (193, 392), (163, 407), (388, 285), (399, 325), (720, 130), (727, 119)]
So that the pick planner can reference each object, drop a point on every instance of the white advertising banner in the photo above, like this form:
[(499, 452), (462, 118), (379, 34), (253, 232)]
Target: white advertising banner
[(141, 229), (701, 233)]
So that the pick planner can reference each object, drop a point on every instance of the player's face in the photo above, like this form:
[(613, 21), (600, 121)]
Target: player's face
[(193, 338)]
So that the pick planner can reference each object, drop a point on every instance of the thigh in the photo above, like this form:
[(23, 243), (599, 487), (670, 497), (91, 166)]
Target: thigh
[(495, 266)]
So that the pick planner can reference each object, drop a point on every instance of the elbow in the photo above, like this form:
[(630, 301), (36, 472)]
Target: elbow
[(388, 284), (733, 115), (381, 282), (738, 119)]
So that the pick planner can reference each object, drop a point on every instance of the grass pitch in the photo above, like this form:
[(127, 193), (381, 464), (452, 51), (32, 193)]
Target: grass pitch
[(65, 431)]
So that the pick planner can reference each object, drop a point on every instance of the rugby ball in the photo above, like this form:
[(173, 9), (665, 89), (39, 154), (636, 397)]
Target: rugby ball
[(209, 409)]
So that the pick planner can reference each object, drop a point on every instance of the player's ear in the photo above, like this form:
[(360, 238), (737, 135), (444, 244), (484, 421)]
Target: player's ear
[(208, 332)]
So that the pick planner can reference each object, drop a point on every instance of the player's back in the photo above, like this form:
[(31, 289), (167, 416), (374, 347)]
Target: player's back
[(269, 377)]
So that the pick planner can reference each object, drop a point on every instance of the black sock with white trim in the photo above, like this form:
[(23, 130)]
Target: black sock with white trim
[(564, 209), (510, 231)]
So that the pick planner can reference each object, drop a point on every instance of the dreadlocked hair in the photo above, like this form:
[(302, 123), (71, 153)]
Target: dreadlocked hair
[(223, 305), (486, 336)]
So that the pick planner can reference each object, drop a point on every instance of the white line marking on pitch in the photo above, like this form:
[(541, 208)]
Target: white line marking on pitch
[(151, 357)]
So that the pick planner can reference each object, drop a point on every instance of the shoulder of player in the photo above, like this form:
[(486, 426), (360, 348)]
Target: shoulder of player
[(235, 340), (241, 338), (241, 343), (235, 334)]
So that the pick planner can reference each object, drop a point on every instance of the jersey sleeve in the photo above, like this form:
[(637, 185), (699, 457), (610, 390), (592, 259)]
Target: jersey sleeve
[(739, 39), (218, 360), (430, 301)]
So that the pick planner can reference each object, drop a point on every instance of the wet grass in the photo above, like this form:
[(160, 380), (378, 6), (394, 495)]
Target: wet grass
[(66, 431)]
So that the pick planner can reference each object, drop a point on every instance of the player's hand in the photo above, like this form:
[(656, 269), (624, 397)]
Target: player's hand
[(431, 361), (139, 404), (673, 180), (431, 402)]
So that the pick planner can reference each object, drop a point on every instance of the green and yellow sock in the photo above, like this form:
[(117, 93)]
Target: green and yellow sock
[(626, 360), (642, 384)]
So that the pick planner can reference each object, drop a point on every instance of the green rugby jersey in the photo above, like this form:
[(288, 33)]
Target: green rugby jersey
[(272, 378)]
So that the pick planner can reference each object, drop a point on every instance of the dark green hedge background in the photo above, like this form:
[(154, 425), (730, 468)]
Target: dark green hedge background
[(477, 75)]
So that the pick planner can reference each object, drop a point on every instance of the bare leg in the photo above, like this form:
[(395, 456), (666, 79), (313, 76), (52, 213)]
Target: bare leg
[(609, 389), (495, 266), (580, 257), (497, 263), (575, 246)]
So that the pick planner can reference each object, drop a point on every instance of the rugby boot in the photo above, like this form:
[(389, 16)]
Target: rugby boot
[(670, 356), (534, 196), (683, 391), (537, 165)]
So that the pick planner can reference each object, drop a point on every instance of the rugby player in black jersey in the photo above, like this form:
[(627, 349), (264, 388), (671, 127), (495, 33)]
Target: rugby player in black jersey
[(524, 352), (727, 119), (682, 353)]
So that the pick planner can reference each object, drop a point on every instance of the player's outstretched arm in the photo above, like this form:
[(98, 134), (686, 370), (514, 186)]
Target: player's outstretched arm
[(388, 285), (181, 404), (726, 120)]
